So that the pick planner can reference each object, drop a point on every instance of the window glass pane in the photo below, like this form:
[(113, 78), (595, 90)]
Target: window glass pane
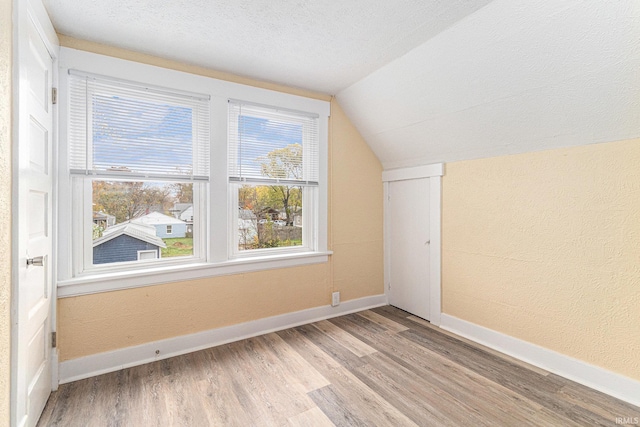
[(269, 216), (265, 143), (141, 136), (132, 218), (119, 126)]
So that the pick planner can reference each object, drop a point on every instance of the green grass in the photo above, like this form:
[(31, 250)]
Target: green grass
[(294, 242), (182, 246)]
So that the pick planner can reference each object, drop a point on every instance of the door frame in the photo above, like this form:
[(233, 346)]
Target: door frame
[(23, 13), (434, 172)]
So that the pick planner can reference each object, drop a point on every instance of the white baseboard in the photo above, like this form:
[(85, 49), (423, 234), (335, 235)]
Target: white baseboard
[(600, 379), (54, 369), (102, 363)]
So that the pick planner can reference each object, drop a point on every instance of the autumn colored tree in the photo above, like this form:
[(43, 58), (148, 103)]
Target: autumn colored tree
[(128, 200), (285, 163), (183, 192)]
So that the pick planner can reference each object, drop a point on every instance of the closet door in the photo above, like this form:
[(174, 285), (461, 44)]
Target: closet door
[(409, 240)]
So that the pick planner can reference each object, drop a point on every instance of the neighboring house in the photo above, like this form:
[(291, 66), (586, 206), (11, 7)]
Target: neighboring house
[(246, 219), (104, 220), (247, 227), (166, 226), (127, 242), (271, 214), (180, 208), (187, 216)]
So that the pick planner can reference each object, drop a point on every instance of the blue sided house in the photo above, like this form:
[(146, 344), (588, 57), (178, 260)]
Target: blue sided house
[(166, 226), (128, 241)]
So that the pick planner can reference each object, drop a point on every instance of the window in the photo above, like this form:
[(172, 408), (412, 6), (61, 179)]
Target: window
[(151, 254), (273, 177), (170, 176), (138, 151)]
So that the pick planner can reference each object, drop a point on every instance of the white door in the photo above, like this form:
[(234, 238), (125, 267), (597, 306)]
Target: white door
[(409, 240), (33, 328)]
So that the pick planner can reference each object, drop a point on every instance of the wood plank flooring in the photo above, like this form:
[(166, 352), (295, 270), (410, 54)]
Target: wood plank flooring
[(380, 367)]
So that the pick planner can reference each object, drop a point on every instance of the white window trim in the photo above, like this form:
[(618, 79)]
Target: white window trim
[(219, 260), (169, 229)]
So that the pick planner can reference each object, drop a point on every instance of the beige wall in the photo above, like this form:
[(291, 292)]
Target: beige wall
[(6, 29), (107, 321), (74, 43), (545, 247)]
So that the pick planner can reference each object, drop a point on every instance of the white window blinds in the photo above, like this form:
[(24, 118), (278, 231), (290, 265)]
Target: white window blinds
[(124, 128), (270, 145)]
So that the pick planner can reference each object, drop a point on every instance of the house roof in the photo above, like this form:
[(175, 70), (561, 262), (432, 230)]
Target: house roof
[(156, 218), (146, 233), (246, 214), (101, 215), (181, 207)]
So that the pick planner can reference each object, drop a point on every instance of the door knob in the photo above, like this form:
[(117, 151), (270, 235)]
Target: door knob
[(428, 242), (36, 261)]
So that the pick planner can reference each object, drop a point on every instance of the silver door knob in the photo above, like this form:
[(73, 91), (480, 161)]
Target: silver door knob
[(36, 261)]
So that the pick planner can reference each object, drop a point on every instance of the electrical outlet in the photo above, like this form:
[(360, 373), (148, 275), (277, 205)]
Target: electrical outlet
[(335, 299)]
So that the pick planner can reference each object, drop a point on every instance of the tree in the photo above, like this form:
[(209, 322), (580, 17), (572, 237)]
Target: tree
[(128, 200), (285, 163), (183, 192), (259, 201)]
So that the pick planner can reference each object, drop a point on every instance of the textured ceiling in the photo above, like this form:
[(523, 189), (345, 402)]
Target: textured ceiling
[(515, 76), (323, 46), (424, 81)]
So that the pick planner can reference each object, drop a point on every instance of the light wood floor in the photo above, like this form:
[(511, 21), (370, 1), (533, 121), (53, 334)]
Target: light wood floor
[(381, 367)]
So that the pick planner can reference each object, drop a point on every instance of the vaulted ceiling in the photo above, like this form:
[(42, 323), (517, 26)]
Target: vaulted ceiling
[(323, 46), (424, 81), (516, 76)]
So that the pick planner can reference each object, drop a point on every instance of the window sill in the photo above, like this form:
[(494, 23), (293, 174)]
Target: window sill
[(113, 281)]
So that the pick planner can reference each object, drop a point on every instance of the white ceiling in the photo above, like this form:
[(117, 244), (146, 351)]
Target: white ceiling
[(323, 46), (424, 81), (515, 76)]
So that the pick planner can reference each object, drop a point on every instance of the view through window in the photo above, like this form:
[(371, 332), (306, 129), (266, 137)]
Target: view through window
[(134, 220), (273, 169), (143, 153), (269, 216)]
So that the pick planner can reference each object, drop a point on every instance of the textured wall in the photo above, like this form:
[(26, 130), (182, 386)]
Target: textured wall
[(6, 28), (545, 247), (356, 211), (107, 321)]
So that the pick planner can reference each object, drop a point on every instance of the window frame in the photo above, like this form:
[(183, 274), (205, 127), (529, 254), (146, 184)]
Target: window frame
[(216, 259)]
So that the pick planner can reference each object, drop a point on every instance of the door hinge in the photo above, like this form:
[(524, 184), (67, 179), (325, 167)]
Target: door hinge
[(54, 340), (54, 95)]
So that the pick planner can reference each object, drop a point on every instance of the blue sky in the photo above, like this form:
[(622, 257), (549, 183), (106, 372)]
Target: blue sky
[(256, 131), (142, 146), (149, 137)]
